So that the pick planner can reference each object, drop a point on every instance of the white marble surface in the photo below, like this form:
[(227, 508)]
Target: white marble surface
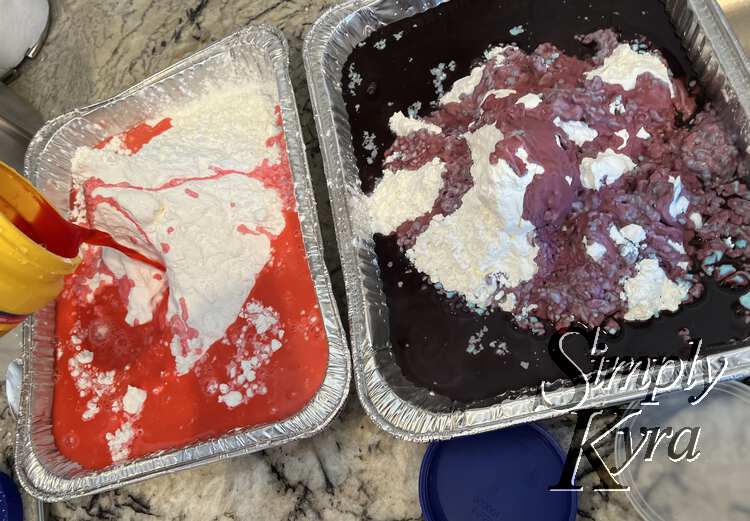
[(352, 471), (10, 348)]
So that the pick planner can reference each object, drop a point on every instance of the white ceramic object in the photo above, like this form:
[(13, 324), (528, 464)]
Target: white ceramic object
[(22, 26)]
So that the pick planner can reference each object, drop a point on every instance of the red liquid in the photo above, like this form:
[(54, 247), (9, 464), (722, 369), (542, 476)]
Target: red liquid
[(64, 238), (181, 410), (100, 238)]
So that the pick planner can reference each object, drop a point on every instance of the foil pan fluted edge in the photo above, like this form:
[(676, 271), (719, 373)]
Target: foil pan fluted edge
[(41, 469), (410, 412)]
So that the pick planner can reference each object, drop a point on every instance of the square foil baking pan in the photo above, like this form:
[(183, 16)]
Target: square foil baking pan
[(392, 402), (42, 470)]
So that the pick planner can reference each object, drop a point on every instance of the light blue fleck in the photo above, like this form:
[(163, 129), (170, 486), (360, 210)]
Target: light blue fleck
[(713, 258)]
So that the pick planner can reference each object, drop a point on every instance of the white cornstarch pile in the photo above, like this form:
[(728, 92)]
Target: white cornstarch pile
[(402, 125), (594, 250), (483, 246), (578, 131), (132, 402), (499, 94), (186, 199), (651, 291), (606, 168), (214, 130), (405, 195), (210, 278), (465, 86), (530, 101), (119, 442), (624, 66)]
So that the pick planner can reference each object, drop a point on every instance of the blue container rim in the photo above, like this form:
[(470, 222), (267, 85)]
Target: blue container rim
[(429, 456)]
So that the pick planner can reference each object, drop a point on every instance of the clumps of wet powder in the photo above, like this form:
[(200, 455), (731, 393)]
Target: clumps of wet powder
[(605, 148), (256, 342), (90, 382)]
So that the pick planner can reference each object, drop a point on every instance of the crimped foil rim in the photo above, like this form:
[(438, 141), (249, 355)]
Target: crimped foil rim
[(405, 419), (328, 400)]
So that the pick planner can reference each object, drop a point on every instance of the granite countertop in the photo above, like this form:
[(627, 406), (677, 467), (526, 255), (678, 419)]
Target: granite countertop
[(350, 472)]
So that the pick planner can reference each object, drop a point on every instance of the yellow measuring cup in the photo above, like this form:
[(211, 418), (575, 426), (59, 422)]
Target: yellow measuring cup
[(31, 276)]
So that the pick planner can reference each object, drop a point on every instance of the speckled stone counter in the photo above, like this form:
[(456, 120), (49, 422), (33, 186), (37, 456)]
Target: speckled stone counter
[(353, 471)]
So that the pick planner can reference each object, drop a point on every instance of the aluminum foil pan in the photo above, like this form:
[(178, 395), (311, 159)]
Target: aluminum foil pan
[(405, 410), (42, 470)]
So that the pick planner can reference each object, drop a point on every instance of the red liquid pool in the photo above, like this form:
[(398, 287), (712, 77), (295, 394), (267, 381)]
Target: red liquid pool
[(183, 409)]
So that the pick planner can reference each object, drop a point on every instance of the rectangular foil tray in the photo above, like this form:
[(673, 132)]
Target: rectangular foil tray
[(42, 470), (407, 411)]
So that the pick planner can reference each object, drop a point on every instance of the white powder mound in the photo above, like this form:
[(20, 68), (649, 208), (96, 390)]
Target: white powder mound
[(214, 237), (530, 101), (506, 301), (484, 246), (466, 85), (402, 125), (651, 291), (148, 283), (211, 233), (624, 66), (606, 168), (578, 131), (369, 144), (84, 357), (475, 345), (231, 399), (225, 128), (628, 238), (119, 442), (633, 233), (499, 94), (532, 168), (404, 195), (594, 250), (132, 402)]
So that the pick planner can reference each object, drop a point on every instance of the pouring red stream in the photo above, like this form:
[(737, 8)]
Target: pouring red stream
[(64, 238)]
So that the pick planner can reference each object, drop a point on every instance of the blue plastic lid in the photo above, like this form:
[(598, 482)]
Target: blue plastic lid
[(499, 475), (11, 508)]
